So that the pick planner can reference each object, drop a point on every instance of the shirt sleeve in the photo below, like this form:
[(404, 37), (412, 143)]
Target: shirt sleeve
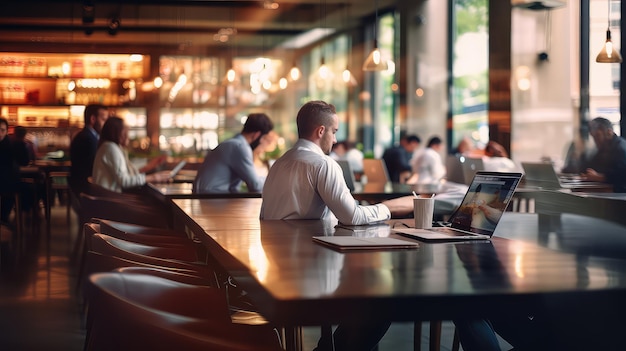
[(333, 190), (243, 167)]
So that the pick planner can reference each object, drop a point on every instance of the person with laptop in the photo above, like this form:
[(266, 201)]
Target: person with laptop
[(608, 165), (232, 162), (306, 183)]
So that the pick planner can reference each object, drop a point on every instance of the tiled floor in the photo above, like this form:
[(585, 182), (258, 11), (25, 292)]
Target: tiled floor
[(39, 308)]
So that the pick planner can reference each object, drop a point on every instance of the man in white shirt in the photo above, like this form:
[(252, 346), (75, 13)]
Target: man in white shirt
[(427, 164), (306, 183)]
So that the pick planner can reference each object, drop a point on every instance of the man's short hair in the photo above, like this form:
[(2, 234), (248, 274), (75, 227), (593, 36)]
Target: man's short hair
[(434, 141), (92, 110), (258, 122), (20, 132), (4, 121), (600, 123), (312, 115), (413, 138)]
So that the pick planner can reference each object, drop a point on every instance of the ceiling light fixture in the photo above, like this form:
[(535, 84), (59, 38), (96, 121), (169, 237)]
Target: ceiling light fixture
[(609, 54), (374, 61)]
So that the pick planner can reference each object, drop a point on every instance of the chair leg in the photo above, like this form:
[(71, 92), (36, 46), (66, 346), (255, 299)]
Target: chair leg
[(435, 336), (417, 336)]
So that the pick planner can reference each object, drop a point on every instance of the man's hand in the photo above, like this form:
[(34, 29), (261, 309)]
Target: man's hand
[(591, 174)]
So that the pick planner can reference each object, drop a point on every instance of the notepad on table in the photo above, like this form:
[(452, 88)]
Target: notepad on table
[(361, 243)]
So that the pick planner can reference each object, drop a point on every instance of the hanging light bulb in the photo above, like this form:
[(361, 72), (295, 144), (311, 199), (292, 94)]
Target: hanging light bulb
[(294, 73), (323, 72), (230, 75), (346, 76), (374, 61), (609, 54)]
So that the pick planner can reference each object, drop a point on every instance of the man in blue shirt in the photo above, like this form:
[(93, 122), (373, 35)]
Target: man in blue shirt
[(608, 165), (231, 161)]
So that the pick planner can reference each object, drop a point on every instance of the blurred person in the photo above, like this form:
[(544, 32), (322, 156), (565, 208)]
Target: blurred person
[(268, 143), (427, 165), (231, 162), (84, 146), (398, 158), (608, 165), (9, 172), (305, 183), (24, 149), (24, 155), (345, 150), (496, 159), (112, 168)]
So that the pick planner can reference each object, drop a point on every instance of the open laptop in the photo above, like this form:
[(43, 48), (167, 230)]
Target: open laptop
[(375, 170), (489, 190), (348, 174), (542, 174)]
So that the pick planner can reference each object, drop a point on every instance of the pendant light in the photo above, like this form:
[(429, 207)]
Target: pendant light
[(609, 54), (374, 61), (346, 75)]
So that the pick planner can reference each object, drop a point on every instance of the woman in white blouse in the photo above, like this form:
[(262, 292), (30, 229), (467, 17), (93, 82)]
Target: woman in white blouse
[(112, 169)]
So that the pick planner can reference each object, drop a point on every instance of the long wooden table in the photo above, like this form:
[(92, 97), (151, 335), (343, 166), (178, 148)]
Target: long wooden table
[(295, 282)]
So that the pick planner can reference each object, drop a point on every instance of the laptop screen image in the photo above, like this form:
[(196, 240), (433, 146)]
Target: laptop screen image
[(486, 199)]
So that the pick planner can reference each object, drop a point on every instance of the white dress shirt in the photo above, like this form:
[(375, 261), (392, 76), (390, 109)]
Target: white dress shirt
[(428, 166), (307, 184), (113, 170)]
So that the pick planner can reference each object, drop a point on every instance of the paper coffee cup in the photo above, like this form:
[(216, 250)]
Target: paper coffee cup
[(423, 208)]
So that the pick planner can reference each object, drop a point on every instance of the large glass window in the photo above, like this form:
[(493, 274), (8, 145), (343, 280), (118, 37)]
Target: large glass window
[(470, 89), (604, 78)]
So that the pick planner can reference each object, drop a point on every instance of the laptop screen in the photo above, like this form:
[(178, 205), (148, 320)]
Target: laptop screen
[(486, 199)]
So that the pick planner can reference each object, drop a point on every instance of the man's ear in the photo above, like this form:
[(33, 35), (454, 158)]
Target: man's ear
[(320, 131)]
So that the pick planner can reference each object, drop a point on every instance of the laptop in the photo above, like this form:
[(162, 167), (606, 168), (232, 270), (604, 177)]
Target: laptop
[(348, 174), (375, 170), (461, 169), (177, 168), (470, 166), (489, 190), (543, 175)]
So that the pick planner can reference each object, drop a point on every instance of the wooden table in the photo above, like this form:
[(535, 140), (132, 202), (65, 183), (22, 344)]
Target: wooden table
[(609, 206), (167, 191), (295, 282)]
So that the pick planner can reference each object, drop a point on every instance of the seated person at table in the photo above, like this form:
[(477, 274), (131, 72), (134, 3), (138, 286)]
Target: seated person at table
[(496, 159), (9, 172), (608, 165), (84, 146), (112, 169), (398, 158), (231, 161), (306, 183), (267, 144), (427, 165)]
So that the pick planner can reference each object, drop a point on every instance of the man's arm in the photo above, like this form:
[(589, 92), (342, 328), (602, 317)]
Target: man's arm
[(401, 206)]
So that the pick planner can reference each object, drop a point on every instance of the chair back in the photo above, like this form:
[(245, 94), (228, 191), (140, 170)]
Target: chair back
[(138, 311), (108, 244), (375, 170), (118, 209)]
